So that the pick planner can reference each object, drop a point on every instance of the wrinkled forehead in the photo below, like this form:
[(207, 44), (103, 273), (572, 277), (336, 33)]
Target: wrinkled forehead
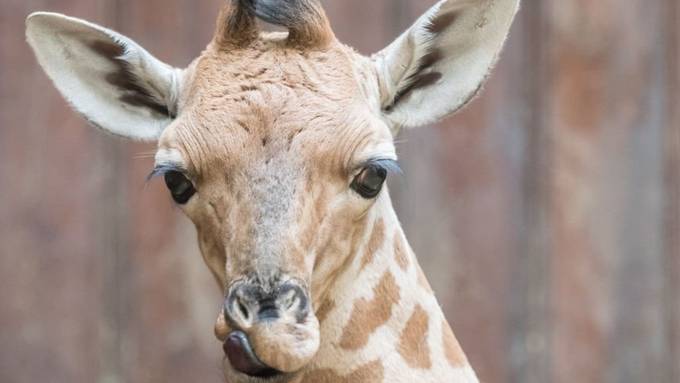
[(269, 103)]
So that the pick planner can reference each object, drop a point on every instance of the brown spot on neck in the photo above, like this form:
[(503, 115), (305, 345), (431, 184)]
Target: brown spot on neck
[(413, 345), (400, 252), (372, 372), (367, 316), (454, 353), (374, 243)]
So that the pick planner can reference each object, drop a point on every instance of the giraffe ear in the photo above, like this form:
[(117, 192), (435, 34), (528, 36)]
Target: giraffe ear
[(109, 79), (440, 63)]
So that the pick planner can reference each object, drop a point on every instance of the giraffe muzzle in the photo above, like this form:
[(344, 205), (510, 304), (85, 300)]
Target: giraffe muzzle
[(248, 304), (269, 332)]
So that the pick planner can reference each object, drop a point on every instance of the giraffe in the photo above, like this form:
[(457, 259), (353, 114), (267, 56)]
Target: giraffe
[(277, 146)]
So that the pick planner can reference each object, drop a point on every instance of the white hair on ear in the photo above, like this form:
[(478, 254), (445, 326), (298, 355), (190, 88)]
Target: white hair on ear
[(439, 64), (108, 78)]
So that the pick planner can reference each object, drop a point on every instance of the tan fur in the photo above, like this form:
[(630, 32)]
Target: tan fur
[(238, 115), (275, 343), (234, 26), (367, 315), (400, 252), (376, 240), (413, 345), (454, 353), (368, 373), (326, 307)]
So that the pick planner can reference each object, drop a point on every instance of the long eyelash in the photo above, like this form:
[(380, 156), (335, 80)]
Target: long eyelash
[(161, 170), (392, 166)]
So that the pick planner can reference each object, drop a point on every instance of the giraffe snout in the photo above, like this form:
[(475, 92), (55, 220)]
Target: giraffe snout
[(268, 329), (247, 304)]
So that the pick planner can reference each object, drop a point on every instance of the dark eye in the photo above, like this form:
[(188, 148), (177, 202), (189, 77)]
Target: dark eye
[(370, 181), (180, 187)]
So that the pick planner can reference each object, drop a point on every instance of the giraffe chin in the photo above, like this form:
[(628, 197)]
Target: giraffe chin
[(285, 346), (271, 350)]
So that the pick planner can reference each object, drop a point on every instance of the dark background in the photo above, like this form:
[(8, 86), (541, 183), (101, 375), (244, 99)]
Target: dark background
[(546, 214)]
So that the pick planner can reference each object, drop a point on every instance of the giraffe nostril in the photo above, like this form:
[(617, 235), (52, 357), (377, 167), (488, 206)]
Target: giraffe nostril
[(238, 309), (248, 304), (293, 299), (243, 310), (290, 299)]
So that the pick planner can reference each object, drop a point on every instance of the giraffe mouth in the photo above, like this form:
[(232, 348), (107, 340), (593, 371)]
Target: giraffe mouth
[(243, 359)]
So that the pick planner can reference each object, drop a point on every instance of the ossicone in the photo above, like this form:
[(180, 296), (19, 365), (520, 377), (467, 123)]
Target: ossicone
[(306, 21)]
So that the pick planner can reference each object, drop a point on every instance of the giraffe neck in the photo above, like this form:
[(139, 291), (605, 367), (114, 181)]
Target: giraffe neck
[(380, 321)]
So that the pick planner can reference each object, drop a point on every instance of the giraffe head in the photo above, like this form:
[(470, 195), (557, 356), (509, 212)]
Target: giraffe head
[(276, 145)]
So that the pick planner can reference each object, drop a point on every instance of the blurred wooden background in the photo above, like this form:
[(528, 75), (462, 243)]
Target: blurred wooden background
[(547, 214)]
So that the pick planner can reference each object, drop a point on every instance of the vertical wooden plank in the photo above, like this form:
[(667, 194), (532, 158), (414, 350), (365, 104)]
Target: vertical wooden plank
[(579, 305), (528, 324), (672, 188), (49, 266), (607, 207), (638, 345)]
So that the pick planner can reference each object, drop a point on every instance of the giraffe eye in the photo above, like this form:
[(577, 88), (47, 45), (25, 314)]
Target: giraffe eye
[(369, 181), (180, 187)]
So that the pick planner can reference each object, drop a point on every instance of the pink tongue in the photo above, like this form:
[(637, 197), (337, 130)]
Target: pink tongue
[(243, 359)]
